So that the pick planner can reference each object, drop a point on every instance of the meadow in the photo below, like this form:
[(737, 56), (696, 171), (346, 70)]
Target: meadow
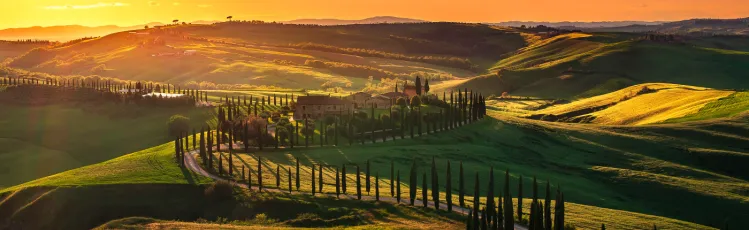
[(625, 168), (644, 104), (43, 140)]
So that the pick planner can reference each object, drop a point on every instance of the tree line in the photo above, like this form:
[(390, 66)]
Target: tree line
[(497, 212)]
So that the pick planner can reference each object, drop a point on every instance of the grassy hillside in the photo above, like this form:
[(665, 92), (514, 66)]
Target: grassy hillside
[(581, 65), (647, 169), (644, 104), (276, 55), (156, 178), (44, 140), (150, 183)]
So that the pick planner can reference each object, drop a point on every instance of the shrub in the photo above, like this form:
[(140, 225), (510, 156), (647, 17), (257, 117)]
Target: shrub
[(219, 191), (178, 124)]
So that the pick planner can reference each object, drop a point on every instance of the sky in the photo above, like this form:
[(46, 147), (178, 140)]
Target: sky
[(25, 13)]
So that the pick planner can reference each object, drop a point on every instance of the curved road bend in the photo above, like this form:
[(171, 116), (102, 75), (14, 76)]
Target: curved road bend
[(193, 165)]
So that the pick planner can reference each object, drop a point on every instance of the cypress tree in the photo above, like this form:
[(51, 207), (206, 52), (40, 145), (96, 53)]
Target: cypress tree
[(469, 221), (319, 178), (495, 222), (490, 193), (424, 198), (358, 183), (435, 186), (547, 208), (377, 186), (398, 187), (520, 198), (531, 218), (534, 202), (412, 184), (343, 179), (603, 227), (297, 174), (461, 187), (509, 219), (231, 149), (449, 188), (220, 164), (210, 149), (476, 196), (194, 137), (484, 220), (260, 173), (288, 173), (366, 174), (500, 213), (539, 215), (392, 174), (278, 175), (312, 182), (337, 183), (558, 225)]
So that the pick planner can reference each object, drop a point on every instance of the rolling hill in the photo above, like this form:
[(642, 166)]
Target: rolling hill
[(641, 104), (697, 26), (625, 177), (580, 65), (266, 54)]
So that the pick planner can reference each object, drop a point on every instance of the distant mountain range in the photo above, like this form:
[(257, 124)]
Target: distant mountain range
[(372, 20)]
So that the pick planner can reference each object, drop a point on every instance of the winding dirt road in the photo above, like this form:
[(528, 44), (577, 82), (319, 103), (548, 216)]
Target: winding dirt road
[(192, 164)]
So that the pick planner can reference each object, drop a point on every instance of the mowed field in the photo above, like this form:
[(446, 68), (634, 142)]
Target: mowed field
[(646, 104)]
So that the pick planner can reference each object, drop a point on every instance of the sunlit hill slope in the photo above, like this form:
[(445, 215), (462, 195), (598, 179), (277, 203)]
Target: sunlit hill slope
[(579, 65)]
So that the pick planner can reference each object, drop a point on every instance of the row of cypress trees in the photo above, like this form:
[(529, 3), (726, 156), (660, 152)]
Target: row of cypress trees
[(107, 86)]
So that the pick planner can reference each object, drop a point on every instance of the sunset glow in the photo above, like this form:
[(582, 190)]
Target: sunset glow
[(131, 12)]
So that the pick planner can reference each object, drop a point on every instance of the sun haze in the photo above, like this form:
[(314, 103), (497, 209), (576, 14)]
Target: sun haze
[(131, 12)]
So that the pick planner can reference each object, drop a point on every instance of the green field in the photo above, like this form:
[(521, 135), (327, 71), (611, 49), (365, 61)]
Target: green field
[(641, 169), (41, 141), (579, 65), (637, 169), (732, 105)]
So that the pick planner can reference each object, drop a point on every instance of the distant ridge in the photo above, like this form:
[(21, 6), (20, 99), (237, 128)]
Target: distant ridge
[(70, 32), (372, 20), (578, 24)]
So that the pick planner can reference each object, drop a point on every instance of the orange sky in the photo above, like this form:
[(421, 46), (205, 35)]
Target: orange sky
[(24, 13)]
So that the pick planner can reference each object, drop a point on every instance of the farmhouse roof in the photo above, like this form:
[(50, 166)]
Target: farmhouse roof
[(319, 100), (393, 95)]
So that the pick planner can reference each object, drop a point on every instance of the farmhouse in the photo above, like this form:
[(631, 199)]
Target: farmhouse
[(314, 107), (359, 99)]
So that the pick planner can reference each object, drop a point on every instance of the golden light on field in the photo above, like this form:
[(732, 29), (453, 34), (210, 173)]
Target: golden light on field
[(132, 12)]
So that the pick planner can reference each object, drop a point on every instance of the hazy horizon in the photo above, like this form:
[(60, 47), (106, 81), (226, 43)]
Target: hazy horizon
[(128, 13)]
